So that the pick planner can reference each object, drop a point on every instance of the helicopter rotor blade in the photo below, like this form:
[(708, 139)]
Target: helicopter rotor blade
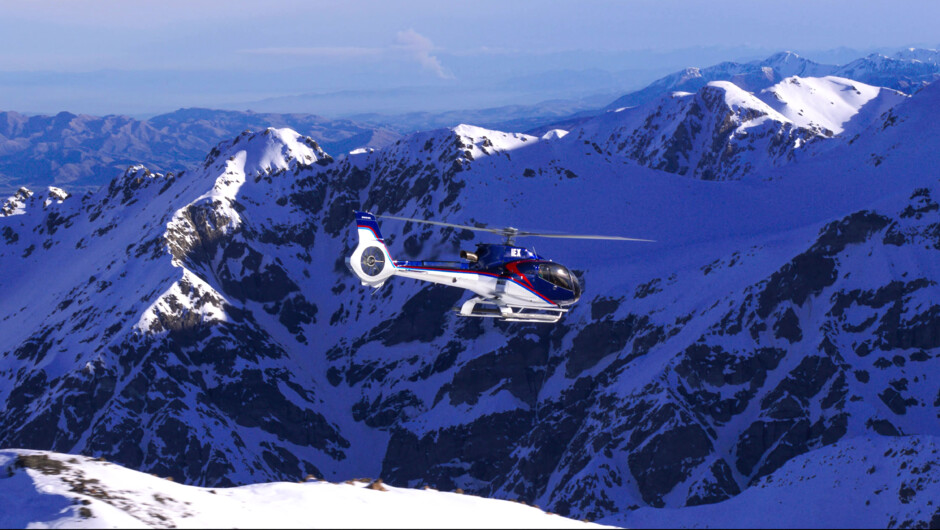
[(441, 223), (577, 236), (514, 232)]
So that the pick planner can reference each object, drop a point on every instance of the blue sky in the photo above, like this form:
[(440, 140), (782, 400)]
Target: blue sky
[(144, 56)]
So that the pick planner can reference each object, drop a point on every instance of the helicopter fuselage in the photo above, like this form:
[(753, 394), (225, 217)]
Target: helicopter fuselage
[(513, 275)]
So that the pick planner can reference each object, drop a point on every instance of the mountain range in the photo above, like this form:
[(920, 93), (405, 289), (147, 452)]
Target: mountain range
[(84, 152), (205, 326), (906, 71)]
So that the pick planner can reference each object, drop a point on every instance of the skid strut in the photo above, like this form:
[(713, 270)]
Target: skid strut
[(479, 307)]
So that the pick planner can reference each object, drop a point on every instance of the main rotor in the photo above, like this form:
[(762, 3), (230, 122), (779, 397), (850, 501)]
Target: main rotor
[(511, 233)]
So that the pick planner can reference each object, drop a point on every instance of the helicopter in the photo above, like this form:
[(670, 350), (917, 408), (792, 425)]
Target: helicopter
[(511, 283)]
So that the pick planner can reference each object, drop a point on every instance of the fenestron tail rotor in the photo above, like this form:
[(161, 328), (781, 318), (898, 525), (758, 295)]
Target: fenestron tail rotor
[(511, 233)]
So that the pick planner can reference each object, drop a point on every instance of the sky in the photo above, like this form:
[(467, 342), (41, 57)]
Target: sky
[(144, 56)]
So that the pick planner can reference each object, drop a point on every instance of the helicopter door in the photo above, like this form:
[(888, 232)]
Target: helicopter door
[(556, 274)]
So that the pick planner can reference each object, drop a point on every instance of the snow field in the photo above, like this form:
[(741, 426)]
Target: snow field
[(115, 497)]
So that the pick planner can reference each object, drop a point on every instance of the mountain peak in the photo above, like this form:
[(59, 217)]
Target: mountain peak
[(134, 178), (460, 144), (782, 57), (268, 151), (787, 63), (740, 101), (494, 140)]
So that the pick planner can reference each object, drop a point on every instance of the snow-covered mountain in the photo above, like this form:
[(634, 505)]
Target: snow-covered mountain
[(52, 490), (724, 132), (906, 71), (202, 325), (752, 76), (719, 132)]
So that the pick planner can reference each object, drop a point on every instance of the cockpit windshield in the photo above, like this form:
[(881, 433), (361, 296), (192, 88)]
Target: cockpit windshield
[(556, 275)]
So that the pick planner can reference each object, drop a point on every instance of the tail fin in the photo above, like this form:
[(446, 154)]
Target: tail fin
[(366, 221), (370, 261)]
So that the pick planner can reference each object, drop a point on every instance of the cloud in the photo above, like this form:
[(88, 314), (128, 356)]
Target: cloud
[(419, 48), (409, 45)]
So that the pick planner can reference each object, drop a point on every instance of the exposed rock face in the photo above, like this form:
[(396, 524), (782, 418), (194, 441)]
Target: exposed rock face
[(206, 330)]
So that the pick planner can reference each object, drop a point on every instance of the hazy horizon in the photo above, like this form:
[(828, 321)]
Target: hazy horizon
[(145, 58)]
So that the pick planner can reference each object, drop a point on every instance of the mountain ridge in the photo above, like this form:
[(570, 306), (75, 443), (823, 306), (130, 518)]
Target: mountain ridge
[(907, 71)]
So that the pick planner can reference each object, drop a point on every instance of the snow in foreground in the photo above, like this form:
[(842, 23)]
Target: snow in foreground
[(52, 490)]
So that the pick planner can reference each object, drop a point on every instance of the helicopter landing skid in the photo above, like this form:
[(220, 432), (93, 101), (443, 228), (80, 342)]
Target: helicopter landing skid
[(471, 308)]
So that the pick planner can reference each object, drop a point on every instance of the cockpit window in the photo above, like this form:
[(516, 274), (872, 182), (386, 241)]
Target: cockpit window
[(556, 275)]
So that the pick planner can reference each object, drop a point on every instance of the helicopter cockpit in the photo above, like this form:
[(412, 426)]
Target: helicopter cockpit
[(559, 276)]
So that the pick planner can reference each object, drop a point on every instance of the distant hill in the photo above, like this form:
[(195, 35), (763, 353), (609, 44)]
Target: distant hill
[(83, 151)]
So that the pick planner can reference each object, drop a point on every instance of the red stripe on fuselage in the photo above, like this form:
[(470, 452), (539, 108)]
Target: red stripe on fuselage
[(514, 268)]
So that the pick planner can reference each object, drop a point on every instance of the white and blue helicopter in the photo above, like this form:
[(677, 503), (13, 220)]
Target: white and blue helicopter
[(511, 283)]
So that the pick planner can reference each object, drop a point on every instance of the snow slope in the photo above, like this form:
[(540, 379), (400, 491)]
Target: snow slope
[(855, 483), (53, 490), (828, 104)]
